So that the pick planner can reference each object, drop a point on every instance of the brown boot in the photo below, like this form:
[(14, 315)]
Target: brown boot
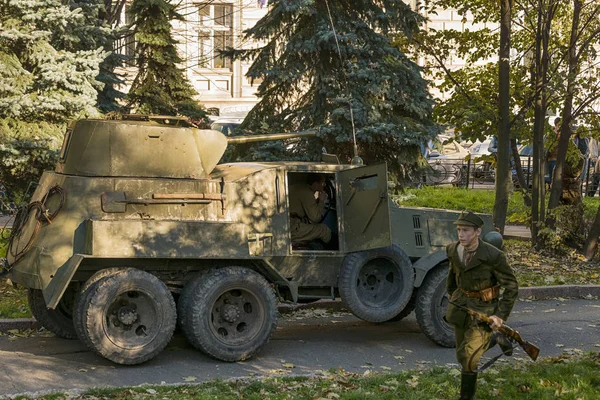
[(468, 385)]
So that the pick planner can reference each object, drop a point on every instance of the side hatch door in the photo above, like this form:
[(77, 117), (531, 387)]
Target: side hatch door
[(363, 208)]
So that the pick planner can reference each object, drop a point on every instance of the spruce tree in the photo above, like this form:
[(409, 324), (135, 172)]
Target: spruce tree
[(160, 86), (38, 81), (96, 30), (306, 84)]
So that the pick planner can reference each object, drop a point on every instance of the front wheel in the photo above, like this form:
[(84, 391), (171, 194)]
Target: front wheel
[(230, 313), (376, 284), (432, 302), (410, 307)]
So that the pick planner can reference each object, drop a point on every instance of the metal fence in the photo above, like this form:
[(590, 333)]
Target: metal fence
[(461, 173)]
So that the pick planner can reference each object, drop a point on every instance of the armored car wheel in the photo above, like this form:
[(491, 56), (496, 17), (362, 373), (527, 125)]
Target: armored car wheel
[(432, 302), (410, 307), (230, 313), (84, 292), (185, 296), (129, 316), (377, 284), (58, 321)]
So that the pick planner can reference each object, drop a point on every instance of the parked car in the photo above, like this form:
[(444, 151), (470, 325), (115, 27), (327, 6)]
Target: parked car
[(226, 126), (526, 157), (486, 148), (447, 161)]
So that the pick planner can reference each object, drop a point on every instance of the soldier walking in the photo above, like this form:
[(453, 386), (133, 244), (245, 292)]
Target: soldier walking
[(477, 272)]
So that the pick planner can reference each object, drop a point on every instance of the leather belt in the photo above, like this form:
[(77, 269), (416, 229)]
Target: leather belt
[(485, 294)]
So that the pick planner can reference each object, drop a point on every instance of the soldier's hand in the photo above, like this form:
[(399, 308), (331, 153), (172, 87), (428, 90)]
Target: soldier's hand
[(322, 196), (496, 322)]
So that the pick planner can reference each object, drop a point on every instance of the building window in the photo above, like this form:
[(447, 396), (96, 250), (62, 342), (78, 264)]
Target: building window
[(126, 43), (215, 33)]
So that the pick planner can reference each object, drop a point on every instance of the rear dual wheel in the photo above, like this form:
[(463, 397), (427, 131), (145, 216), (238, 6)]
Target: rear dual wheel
[(228, 313), (128, 316)]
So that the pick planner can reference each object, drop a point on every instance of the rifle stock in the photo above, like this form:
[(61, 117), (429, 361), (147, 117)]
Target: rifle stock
[(531, 349)]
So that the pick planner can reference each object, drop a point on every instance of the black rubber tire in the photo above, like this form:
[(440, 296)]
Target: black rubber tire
[(376, 285), (129, 295), (58, 321), (82, 294), (248, 294), (410, 307), (186, 295), (432, 302)]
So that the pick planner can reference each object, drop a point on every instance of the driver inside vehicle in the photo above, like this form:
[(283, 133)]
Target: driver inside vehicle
[(307, 204)]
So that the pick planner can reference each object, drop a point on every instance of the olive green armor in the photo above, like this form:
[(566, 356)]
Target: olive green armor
[(486, 271)]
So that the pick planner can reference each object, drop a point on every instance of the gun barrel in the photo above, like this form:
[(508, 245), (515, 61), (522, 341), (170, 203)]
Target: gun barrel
[(273, 136)]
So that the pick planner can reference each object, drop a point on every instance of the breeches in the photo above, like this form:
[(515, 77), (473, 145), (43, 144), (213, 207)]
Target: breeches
[(471, 342), (302, 232)]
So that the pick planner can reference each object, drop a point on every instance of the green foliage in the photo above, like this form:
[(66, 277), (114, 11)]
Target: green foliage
[(566, 230), (11, 128), (472, 91), (160, 86), (22, 162), (13, 302), (38, 80), (93, 32), (374, 88)]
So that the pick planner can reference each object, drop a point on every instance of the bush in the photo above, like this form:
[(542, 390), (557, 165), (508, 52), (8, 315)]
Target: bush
[(11, 129), (23, 161)]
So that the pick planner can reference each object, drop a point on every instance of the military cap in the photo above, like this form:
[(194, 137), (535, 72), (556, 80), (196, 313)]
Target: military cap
[(468, 218)]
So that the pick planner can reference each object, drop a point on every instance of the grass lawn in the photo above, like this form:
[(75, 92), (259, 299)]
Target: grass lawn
[(13, 302), (478, 201), (566, 377)]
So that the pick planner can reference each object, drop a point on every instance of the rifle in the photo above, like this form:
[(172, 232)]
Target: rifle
[(531, 349)]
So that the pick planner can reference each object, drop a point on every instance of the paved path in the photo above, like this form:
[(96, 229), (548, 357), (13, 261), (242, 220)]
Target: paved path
[(34, 364), (517, 231), (5, 221)]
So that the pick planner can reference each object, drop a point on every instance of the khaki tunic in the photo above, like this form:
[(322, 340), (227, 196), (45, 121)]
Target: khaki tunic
[(487, 268), (305, 214)]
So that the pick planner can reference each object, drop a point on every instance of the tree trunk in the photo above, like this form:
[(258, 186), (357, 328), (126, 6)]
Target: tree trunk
[(591, 244), (565, 129), (537, 195), (503, 181), (523, 183)]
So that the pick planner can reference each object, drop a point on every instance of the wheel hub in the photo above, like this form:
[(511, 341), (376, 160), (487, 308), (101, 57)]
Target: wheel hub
[(127, 315), (230, 313), (372, 279)]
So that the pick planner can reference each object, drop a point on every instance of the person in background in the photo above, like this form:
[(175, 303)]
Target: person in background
[(594, 166), (551, 146)]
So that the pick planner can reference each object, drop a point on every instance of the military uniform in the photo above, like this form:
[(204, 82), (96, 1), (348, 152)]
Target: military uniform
[(476, 285), (305, 214), (486, 272)]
